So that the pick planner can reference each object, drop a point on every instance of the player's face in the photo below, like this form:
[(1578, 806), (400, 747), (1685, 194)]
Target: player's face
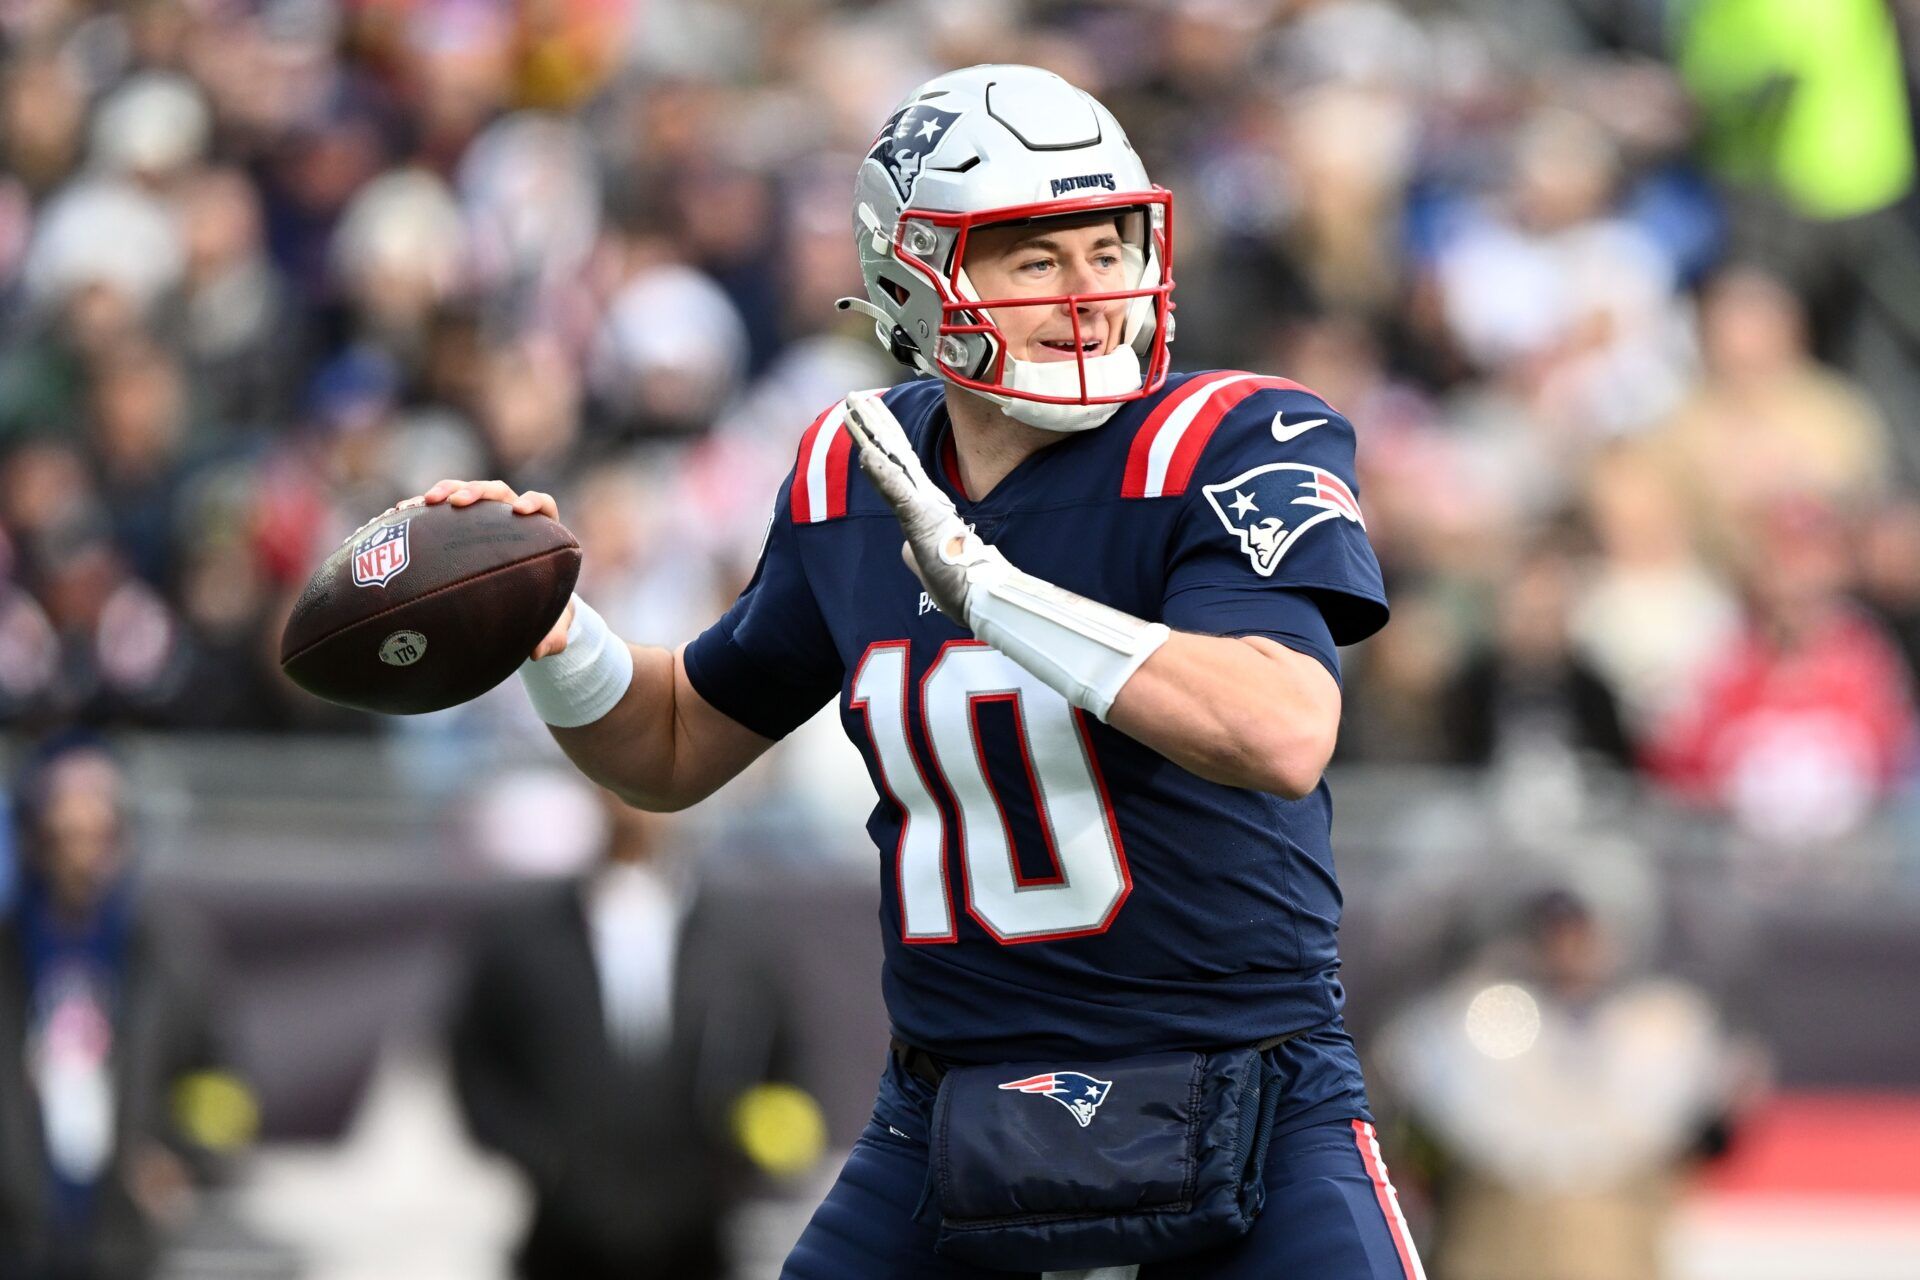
[(1046, 260)]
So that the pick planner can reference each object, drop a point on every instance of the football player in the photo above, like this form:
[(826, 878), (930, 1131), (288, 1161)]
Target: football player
[(1095, 689)]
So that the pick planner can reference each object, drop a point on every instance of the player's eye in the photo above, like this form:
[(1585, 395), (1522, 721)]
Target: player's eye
[(1034, 266), (1107, 261)]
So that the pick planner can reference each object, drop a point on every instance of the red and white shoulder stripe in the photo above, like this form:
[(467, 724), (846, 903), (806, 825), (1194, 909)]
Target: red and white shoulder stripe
[(1167, 446), (1368, 1141), (820, 474)]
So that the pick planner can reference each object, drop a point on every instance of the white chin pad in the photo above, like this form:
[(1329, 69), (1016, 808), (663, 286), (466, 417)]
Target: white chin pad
[(1113, 374)]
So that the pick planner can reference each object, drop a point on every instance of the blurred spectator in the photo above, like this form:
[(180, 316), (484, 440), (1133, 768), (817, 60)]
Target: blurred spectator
[(528, 402), (1653, 616), (399, 253), (138, 428), (233, 317), (726, 213), (116, 1100), (42, 108), (658, 585), (231, 681), (454, 63), (101, 254), (608, 1039), (532, 197), (665, 380), (1348, 140), (1525, 694), (104, 232), (1397, 713), (1554, 1095), (1806, 722), (1552, 287), (1767, 423), (121, 655), (150, 128), (47, 497)]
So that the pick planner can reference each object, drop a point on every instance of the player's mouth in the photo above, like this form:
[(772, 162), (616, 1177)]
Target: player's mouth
[(1064, 349)]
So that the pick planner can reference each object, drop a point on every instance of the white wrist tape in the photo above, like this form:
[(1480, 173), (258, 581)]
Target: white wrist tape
[(1083, 649), (582, 682)]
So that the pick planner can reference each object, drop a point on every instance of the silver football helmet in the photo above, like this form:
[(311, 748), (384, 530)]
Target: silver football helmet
[(1009, 144)]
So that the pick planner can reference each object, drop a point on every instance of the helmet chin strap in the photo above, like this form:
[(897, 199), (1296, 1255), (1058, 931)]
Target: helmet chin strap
[(866, 309)]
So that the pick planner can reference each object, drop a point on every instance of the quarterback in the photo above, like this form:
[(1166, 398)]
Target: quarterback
[(1081, 616)]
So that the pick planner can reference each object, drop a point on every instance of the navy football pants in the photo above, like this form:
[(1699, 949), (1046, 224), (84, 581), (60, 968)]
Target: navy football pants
[(1330, 1215)]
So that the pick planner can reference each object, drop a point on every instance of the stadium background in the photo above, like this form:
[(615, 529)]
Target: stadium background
[(1621, 295)]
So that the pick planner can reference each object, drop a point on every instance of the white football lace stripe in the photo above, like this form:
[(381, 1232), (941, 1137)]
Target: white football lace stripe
[(1174, 429)]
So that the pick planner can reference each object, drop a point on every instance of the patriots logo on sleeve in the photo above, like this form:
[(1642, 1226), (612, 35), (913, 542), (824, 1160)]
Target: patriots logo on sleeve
[(908, 139), (1261, 508), (1080, 1094)]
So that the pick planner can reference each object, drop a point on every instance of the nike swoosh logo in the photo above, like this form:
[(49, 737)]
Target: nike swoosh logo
[(1283, 433)]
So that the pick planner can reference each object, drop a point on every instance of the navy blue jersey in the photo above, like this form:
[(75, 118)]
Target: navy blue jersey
[(1051, 886)]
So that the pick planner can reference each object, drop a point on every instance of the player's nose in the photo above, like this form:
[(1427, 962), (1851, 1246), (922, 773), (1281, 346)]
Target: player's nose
[(1075, 303), (1080, 278)]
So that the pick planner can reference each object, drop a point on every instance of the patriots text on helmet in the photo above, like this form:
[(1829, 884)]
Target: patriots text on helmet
[(1085, 182)]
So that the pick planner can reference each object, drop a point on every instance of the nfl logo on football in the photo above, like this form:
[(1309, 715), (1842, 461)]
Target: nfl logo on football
[(380, 555)]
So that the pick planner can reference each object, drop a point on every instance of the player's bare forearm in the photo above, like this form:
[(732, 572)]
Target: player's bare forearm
[(662, 746), (1245, 712)]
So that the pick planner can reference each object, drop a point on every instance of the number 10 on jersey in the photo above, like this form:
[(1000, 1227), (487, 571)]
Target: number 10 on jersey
[(1076, 820)]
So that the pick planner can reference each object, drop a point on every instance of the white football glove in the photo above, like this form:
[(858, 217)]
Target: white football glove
[(941, 549), (1081, 648)]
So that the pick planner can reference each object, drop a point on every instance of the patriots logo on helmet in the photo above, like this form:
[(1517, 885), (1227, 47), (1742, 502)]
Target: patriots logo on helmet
[(380, 555), (910, 136), (1080, 1094), (1256, 506)]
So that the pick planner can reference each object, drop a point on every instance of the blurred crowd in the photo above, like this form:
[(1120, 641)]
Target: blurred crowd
[(1623, 297), (1616, 292)]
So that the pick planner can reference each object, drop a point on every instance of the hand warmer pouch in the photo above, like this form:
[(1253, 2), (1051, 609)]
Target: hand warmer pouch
[(1069, 1165)]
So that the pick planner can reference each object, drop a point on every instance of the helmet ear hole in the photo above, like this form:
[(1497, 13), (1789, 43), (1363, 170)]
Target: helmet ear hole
[(895, 290)]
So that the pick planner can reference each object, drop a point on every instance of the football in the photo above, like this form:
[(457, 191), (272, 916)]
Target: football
[(426, 607)]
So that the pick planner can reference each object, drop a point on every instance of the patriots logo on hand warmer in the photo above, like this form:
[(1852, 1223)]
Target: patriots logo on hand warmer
[(1080, 1094), (1256, 505)]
